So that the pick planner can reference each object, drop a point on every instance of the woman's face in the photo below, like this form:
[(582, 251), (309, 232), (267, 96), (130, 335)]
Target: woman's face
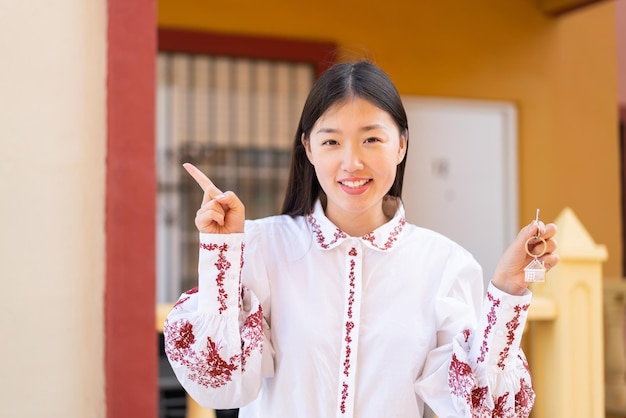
[(355, 148)]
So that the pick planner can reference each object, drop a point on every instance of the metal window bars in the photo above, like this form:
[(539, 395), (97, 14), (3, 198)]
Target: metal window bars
[(235, 119)]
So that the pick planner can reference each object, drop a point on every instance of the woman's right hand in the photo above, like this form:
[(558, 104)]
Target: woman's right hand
[(220, 213)]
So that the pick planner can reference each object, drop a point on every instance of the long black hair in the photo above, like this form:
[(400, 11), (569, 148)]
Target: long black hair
[(340, 82)]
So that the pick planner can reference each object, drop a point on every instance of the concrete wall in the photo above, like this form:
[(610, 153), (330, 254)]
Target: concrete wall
[(52, 166)]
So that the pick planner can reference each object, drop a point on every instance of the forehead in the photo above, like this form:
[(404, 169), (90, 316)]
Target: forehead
[(354, 110)]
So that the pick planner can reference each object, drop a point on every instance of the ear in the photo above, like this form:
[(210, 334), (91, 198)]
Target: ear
[(307, 147), (404, 141)]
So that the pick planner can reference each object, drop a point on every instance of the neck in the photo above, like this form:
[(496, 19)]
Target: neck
[(357, 225)]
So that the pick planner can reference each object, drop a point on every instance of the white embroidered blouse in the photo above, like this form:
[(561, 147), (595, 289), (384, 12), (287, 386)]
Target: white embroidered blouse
[(293, 318)]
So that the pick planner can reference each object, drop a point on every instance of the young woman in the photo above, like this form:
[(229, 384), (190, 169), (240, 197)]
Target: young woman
[(339, 307)]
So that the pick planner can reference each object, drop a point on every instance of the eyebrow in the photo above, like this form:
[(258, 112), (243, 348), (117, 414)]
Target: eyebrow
[(363, 129)]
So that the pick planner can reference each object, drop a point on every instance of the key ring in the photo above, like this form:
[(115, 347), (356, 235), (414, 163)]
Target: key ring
[(535, 271), (537, 237), (545, 247)]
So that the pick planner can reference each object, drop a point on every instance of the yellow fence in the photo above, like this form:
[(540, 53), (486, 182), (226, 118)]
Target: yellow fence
[(575, 321)]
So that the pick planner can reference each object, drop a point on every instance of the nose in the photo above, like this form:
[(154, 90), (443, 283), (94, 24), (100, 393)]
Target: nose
[(352, 159)]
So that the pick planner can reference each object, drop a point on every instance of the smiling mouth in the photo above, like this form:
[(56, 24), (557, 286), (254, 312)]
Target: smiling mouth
[(355, 184)]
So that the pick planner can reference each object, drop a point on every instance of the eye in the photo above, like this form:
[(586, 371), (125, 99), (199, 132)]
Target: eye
[(372, 140), (330, 142)]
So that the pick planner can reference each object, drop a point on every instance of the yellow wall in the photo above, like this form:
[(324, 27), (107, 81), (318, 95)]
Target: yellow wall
[(561, 72), (52, 136)]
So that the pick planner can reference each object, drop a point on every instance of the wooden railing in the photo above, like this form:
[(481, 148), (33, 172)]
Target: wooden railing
[(575, 321)]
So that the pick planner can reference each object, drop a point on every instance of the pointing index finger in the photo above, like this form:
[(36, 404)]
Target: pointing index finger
[(200, 178)]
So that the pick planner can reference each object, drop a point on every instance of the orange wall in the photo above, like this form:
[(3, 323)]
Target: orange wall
[(620, 12), (561, 72), (586, 125)]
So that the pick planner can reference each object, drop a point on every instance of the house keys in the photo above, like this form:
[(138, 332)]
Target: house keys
[(535, 271)]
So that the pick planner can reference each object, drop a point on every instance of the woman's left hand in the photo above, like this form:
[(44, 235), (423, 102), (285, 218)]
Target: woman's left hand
[(509, 274)]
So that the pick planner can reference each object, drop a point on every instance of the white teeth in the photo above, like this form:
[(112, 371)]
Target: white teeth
[(354, 184)]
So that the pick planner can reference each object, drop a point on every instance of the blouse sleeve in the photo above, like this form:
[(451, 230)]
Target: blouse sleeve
[(478, 369), (216, 335)]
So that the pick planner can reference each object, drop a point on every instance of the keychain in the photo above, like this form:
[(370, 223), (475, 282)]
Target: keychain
[(535, 270)]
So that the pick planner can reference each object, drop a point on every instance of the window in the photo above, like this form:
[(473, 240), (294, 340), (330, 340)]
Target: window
[(232, 115)]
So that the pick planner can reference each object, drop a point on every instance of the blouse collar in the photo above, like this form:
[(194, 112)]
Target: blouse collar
[(327, 235)]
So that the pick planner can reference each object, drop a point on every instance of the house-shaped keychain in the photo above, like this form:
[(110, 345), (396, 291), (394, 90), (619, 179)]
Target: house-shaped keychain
[(535, 271)]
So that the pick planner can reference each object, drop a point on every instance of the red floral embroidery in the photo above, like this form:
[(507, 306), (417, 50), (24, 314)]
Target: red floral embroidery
[(463, 385), (185, 337), (349, 327), (512, 325), (216, 372), (479, 398), (178, 340), (251, 336), (524, 362), (206, 368), (466, 335), (369, 237), (524, 399), (461, 380), (180, 301), (393, 236), (241, 263), (348, 339), (349, 323), (501, 410), (222, 265), (491, 321), (321, 240), (192, 291), (344, 397), (351, 291)]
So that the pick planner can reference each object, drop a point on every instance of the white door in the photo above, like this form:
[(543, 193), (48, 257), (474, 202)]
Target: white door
[(461, 173)]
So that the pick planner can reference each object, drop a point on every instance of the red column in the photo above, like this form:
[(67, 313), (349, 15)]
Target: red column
[(130, 339)]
